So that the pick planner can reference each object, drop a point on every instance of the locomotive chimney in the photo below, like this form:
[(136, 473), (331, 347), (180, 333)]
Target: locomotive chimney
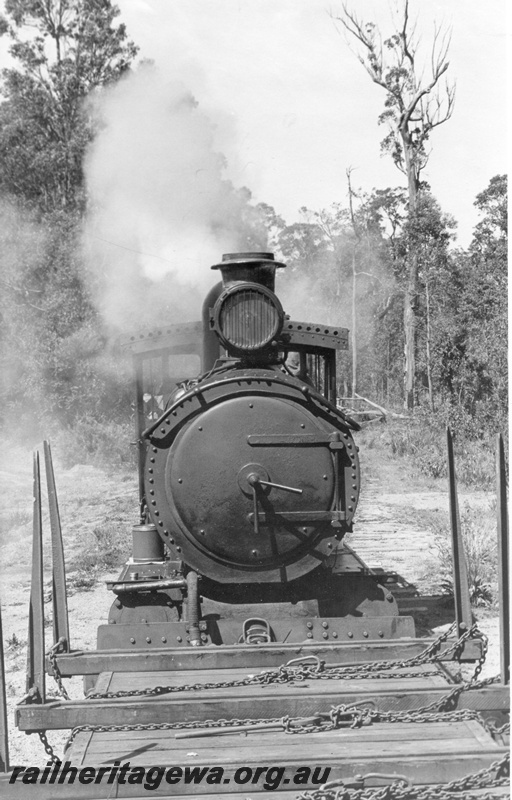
[(253, 267)]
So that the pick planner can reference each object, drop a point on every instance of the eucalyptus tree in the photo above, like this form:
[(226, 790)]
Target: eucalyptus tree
[(418, 99), (484, 310), (62, 51)]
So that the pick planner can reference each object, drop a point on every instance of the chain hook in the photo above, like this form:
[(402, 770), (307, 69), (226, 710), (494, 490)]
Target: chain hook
[(317, 664)]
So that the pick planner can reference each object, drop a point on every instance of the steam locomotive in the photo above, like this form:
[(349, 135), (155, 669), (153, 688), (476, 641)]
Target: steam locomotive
[(249, 481), (248, 484)]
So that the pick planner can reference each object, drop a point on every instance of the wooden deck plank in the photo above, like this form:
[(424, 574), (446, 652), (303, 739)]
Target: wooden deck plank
[(273, 655), (80, 791), (248, 792), (103, 682), (380, 732), (424, 752), (479, 732), (298, 700), (412, 738), (278, 753), (81, 746), (121, 681)]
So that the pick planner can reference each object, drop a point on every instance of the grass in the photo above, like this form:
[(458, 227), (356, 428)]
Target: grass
[(421, 441), (480, 544), (82, 580), (11, 519), (478, 525), (102, 443), (108, 548), (418, 448), (14, 644)]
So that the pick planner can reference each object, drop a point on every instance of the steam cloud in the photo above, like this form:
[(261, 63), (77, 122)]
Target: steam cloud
[(161, 209)]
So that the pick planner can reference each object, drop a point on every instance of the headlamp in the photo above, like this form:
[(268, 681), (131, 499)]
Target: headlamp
[(247, 318)]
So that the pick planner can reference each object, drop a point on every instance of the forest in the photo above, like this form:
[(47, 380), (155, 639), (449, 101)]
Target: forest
[(428, 320)]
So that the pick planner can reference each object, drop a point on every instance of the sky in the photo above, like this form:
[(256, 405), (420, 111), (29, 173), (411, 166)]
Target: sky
[(293, 107)]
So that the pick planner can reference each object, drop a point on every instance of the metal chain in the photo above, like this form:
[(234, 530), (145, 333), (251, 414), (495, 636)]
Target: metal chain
[(485, 648), (448, 702), (55, 671), (52, 658), (355, 715), (376, 668), (322, 721), (497, 774), (498, 731), (163, 726), (443, 708), (298, 670), (47, 747)]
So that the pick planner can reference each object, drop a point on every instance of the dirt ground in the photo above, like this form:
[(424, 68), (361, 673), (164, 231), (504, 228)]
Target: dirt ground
[(389, 532), (88, 499)]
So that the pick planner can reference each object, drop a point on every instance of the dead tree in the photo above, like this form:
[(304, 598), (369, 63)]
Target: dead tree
[(417, 101)]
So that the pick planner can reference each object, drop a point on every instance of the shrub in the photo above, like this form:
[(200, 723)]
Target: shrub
[(14, 644), (480, 545), (97, 442), (108, 547), (14, 518), (82, 580), (422, 438)]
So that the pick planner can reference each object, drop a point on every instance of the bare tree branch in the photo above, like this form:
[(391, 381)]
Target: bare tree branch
[(417, 101), (396, 71)]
